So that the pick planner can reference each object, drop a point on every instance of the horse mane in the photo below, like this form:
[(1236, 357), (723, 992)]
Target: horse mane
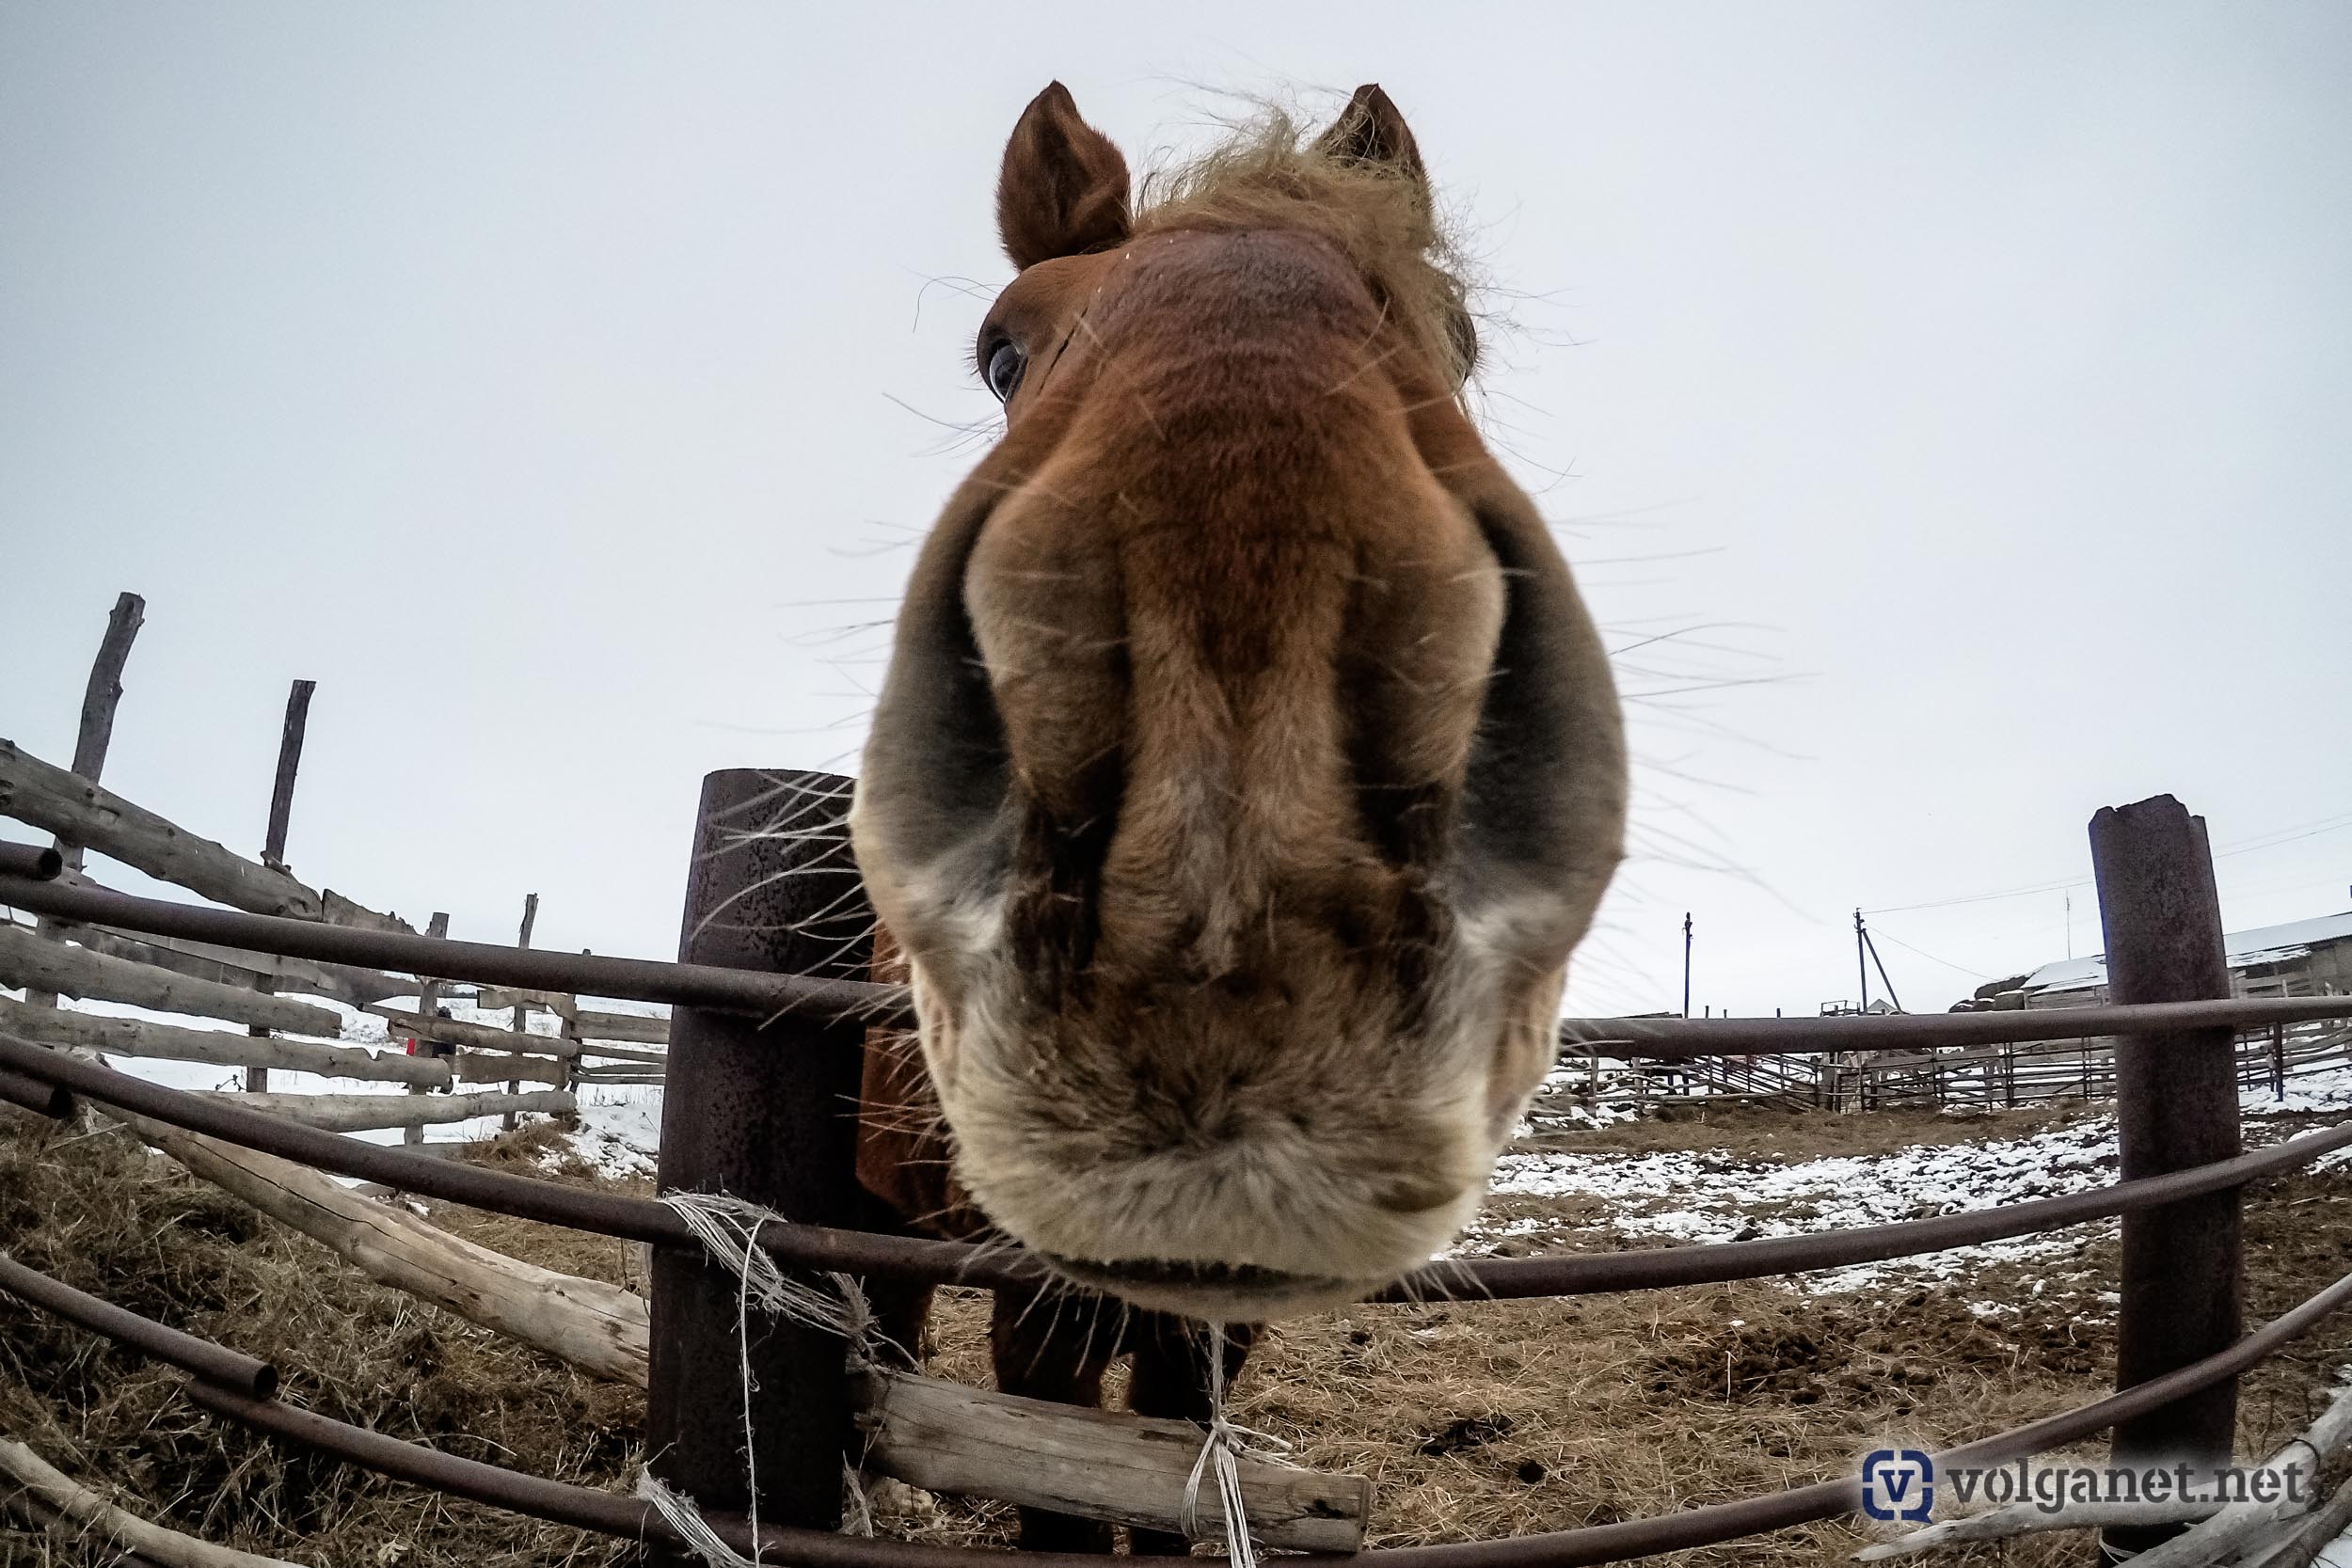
[(1271, 172)]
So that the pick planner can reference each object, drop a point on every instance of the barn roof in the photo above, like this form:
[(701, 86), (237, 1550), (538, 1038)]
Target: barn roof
[(2264, 944)]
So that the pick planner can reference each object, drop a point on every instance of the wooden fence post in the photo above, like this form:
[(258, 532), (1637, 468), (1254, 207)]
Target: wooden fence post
[(522, 1009), (280, 814), (95, 733), (2176, 1106), (428, 997), (573, 1063), (289, 761), (767, 1114)]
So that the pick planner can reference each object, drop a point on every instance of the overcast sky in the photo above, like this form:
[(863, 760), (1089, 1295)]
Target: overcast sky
[(1967, 390)]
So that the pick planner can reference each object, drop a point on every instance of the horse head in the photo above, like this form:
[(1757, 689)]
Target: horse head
[(1247, 765)]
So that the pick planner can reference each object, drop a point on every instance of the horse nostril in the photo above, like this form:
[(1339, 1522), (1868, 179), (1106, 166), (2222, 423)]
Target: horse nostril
[(1406, 1196)]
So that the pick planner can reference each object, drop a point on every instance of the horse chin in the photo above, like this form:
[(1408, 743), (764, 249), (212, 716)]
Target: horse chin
[(1214, 1292)]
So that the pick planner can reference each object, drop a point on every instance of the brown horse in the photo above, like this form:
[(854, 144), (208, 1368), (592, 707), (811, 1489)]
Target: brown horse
[(1247, 768)]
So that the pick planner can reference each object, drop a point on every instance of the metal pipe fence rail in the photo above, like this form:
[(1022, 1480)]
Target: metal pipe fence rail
[(938, 1262), (34, 863), (2154, 873), (247, 1374), (254, 1404), (753, 993)]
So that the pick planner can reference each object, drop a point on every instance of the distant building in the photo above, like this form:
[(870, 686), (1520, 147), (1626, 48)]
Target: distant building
[(2304, 957)]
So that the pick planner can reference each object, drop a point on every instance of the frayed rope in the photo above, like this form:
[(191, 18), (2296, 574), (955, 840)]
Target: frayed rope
[(1222, 1451), (691, 1527), (728, 1228)]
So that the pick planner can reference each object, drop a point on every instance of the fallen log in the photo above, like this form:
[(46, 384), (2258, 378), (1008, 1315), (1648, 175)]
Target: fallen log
[(52, 1489), (599, 1328), (171, 1042), (477, 1036), (369, 1113), (28, 961), (1096, 1463)]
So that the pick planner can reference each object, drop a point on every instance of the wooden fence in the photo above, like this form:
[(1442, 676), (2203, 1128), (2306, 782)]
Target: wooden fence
[(296, 1011), (298, 1015), (2179, 1285), (2272, 1060)]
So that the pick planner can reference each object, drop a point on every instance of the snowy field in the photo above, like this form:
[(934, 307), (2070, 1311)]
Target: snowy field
[(1717, 1196)]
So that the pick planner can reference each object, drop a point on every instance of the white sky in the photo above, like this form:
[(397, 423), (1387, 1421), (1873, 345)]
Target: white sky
[(552, 383)]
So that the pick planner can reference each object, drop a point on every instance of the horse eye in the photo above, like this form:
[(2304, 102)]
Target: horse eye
[(1003, 371)]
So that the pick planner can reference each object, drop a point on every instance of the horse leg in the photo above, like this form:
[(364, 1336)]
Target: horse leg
[(1171, 1379), (902, 1318), (1056, 1346)]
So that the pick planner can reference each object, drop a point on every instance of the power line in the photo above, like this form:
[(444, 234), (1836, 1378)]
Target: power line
[(1972, 973)]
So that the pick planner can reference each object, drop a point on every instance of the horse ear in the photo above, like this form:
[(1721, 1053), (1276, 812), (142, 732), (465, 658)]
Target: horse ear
[(1063, 191), (1371, 131)]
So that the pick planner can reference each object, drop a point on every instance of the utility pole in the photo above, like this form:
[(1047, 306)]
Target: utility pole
[(1686, 963), (1861, 961), (1879, 964)]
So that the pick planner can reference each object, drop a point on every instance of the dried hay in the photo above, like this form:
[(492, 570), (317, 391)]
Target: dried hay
[(1475, 1420), (98, 1210)]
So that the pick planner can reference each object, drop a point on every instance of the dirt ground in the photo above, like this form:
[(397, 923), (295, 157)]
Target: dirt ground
[(1473, 1420)]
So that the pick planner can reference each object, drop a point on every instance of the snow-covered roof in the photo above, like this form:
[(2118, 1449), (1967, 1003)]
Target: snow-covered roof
[(2264, 944), (2068, 975)]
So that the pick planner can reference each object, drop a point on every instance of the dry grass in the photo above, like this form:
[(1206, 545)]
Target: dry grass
[(1474, 1419), (97, 1211)]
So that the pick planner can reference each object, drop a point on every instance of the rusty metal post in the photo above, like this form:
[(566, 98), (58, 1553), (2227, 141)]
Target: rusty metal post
[(768, 1114), (2176, 1106)]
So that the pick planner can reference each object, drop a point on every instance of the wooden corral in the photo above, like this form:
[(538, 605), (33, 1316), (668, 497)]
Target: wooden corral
[(2272, 1057), (939, 1436), (293, 1015)]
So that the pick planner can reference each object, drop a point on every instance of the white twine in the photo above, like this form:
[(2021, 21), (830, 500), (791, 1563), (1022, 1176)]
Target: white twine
[(728, 1228), (691, 1527), (1222, 1450)]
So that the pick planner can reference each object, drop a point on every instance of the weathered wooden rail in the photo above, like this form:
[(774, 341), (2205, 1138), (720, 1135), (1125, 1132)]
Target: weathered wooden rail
[(2179, 1197), (290, 1008)]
